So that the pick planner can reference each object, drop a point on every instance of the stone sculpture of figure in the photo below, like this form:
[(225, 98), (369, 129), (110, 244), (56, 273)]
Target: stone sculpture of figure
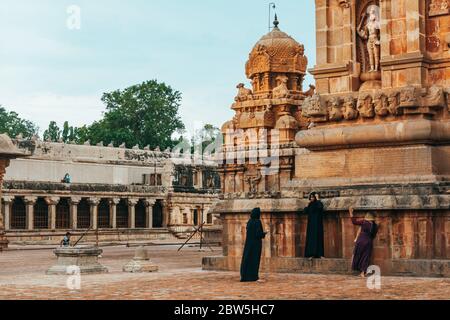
[(350, 112), (281, 91), (365, 106), (244, 94), (371, 33), (311, 91), (393, 103), (335, 109), (381, 103), (253, 182)]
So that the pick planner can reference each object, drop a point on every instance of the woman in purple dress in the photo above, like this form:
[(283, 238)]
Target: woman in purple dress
[(364, 242)]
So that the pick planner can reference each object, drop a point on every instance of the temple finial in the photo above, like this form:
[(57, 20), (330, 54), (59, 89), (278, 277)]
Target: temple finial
[(276, 22)]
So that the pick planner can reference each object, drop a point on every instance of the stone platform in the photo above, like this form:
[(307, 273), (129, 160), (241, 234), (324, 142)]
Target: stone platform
[(140, 263), (86, 258), (403, 267)]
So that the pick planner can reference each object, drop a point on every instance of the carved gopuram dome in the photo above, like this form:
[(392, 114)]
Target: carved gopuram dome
[(276, 52)]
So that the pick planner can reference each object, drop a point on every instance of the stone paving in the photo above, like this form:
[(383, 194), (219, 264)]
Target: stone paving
[(22, 276)]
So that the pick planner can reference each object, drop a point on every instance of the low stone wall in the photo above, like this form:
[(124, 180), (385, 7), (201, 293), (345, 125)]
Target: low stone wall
[(104, 236), (413, 268)]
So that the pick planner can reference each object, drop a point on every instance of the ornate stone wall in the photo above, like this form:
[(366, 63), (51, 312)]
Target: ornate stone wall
[(375, 136)]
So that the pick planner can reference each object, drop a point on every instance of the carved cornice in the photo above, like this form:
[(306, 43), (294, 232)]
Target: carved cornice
[(332, 68), (389, 133), (386, 104)]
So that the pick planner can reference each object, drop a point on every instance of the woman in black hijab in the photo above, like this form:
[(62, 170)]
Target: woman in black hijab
[(253, 247), (314, 234)]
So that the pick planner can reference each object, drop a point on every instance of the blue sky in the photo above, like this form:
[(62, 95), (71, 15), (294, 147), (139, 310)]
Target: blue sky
[(199, 47)]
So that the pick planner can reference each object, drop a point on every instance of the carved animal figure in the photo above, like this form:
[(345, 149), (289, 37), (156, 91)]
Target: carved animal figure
[(311, 91), (244, 94), (281, 91)]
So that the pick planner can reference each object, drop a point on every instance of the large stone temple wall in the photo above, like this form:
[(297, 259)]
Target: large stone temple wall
[(374, 135)]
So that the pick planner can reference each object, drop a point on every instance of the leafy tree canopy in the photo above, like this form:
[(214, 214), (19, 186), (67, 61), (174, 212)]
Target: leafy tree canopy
[(13, 125), (144, 114)]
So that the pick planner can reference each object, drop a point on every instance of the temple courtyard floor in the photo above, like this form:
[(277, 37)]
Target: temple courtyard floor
[(180, 277)]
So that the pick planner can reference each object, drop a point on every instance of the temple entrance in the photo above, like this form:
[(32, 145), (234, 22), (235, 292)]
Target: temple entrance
[(41, 214), (103, 214), (158, 214), (140, 221), (18, 214), (122, 215), (63, 214), (84, 215)]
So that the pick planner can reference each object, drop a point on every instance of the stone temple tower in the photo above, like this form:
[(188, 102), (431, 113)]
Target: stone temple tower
[(375, 136)]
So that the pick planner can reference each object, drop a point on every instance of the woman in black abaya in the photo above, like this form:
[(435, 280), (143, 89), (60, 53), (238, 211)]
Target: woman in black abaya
[(253, 247), (314, 233)]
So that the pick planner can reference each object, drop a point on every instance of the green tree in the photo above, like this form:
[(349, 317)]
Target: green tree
[(80, 135), (66, 132), (13, 125), (53, 133), (144, 114), (204, 137)]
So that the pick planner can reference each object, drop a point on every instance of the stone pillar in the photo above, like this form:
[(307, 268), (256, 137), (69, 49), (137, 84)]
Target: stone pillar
[(132, 213), (52, 202), (190, 215), (322, 32), (165, 213), (94, 212), (74, 201), (149, 203), (30, 202), (7, 205), (113, 211), (415, 25)]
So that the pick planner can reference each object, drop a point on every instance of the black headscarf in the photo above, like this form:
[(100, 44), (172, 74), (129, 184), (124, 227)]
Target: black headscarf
[(312, 194), (256, 214)]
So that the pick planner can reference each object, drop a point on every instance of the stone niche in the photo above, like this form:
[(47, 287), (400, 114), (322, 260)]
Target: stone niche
[(368, 43)]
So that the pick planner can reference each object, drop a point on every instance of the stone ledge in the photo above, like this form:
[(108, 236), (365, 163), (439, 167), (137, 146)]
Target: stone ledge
[(412, 268), (422, 268), (282, 265), (359, 202)]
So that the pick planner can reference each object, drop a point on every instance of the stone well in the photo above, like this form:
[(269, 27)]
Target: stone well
[(84, 257)]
